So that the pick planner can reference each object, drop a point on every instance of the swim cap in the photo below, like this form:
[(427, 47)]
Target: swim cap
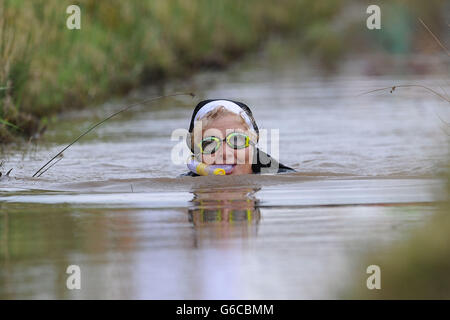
[(203, 107), (228, 105)]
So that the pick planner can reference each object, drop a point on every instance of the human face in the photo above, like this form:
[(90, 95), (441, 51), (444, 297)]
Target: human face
[(240, 158)]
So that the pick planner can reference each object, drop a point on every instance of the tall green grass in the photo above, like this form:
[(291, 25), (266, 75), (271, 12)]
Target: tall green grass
[(46, 68)]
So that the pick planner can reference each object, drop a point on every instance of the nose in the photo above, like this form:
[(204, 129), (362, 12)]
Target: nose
[(225, 155)]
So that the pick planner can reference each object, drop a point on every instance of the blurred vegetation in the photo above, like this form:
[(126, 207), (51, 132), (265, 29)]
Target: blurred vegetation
[(417, 268), (46, 68)]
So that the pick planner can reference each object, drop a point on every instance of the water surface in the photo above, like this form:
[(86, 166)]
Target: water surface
[(369, 171)]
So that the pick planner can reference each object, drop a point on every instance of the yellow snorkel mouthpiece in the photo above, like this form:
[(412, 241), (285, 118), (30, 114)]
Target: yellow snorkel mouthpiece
[(204, 169), (219, 172)]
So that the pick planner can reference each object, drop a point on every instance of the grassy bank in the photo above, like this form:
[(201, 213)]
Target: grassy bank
[(46, 68)]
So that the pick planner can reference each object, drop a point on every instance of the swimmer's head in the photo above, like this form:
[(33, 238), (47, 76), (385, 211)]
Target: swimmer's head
[(224, 132)]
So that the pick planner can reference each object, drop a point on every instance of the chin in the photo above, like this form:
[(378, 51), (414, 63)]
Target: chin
[(241, 169)]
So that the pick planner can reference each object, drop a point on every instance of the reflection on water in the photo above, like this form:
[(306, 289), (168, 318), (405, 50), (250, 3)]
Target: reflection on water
[(225, 213), (225, 243)]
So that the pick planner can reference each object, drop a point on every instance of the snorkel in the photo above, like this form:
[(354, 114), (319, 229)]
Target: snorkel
[(204, 169)]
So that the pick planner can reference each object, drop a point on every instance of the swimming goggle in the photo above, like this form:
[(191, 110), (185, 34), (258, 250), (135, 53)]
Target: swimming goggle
[(235, 140)]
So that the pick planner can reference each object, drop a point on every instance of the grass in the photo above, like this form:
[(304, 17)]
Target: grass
[(47, 68)]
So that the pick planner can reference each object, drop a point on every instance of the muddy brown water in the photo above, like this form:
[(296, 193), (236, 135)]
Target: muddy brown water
[(369, 172)]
